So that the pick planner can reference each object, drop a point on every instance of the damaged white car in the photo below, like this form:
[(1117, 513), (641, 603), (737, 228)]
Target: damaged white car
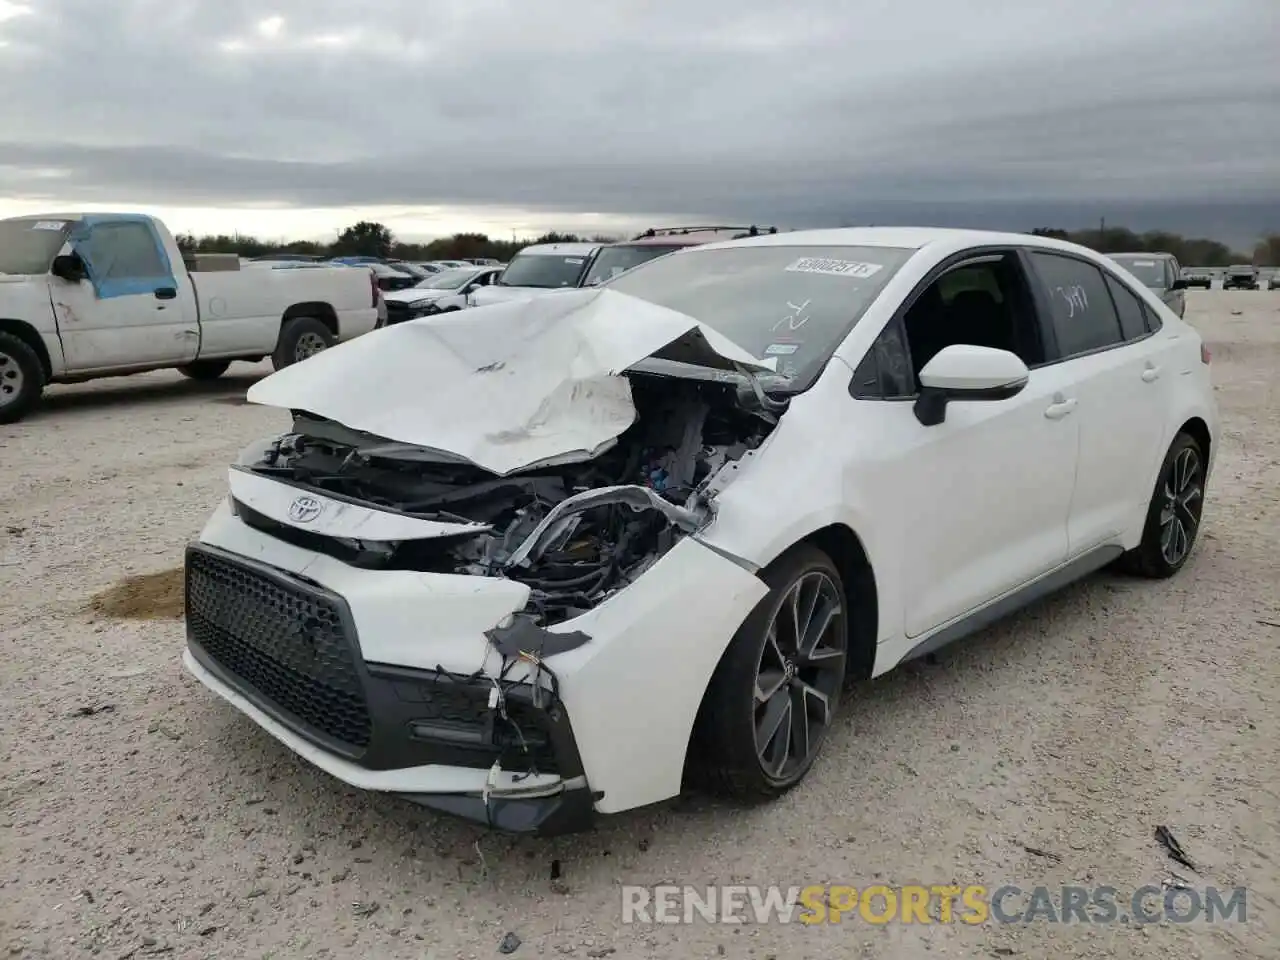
[(546, 559)]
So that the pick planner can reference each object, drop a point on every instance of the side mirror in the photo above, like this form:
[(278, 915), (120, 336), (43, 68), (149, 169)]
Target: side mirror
[(964, 372), (1179, 284), (69, 267)]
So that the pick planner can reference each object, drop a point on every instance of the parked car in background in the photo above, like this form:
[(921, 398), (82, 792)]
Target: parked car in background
[(485, 262), (300, 257), (617, 258), (430, 266), (454, 264), (1273, 282), (1198, 277), (1161, 274), (97, 295), (537, 270), (388, 277), (442, 293), (356, 261), (665, 496), (1241, 276), (412, 269)]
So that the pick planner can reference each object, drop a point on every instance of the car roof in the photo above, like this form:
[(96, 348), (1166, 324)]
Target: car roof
[(561, 249)]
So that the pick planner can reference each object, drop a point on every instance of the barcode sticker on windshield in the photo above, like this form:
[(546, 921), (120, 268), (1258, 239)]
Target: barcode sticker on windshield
[(48, 225), (1144, 263), (572, 259), (835, 268)]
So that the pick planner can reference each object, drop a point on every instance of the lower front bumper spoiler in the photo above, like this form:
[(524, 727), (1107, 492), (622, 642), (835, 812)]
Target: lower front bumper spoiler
[(558, 806), (570, 811)]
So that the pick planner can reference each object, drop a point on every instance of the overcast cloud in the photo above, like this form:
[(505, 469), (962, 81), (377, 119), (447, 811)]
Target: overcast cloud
[(815, 112)]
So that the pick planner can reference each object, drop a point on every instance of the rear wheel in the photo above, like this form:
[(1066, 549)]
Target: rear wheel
[(21, 378), (205, 369), (774, 695), (1173, 518), (300, 338)]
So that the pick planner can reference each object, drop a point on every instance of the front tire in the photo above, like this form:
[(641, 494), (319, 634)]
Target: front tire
[(21, 378), (776, 691), (205, 369), (1173, 517), (300, 338)]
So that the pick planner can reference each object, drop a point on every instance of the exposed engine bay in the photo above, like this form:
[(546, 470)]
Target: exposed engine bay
[(574, 532)]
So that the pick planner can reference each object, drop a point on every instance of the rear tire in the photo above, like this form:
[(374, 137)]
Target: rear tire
[(1173, 517), (21, 378), (205, 369), (773, 671), (300, 338)]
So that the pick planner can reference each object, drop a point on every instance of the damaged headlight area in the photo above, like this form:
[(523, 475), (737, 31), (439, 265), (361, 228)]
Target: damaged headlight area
[(575, 532)]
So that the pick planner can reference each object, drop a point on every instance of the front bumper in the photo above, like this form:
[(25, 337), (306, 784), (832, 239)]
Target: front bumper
[(632, 691), (285, 652)]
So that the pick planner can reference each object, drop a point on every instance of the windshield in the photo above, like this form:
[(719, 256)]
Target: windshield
[(611, 261), (1147, 269), (28, 245), (793, 303), (448, 280), (546, 271)]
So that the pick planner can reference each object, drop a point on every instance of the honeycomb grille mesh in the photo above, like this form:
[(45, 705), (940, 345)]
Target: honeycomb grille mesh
[(287, 643)]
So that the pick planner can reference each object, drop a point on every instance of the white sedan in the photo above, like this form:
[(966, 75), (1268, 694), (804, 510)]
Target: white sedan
[(445, 292), (557, 557)]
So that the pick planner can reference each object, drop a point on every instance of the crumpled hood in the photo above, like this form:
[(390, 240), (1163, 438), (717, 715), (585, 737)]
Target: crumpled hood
[(506, 386)]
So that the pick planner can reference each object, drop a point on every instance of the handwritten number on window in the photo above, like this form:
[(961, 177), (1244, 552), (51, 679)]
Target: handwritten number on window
[(1076, 298)]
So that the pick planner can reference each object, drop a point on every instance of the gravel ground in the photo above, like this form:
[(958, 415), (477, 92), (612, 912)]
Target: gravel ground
[(141, 816)]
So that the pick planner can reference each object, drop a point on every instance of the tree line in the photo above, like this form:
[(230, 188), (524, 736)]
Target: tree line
[(1190, 251), (367, 239), (370, 239)]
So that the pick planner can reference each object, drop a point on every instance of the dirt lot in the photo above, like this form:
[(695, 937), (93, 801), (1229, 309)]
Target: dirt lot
[(141, 816)]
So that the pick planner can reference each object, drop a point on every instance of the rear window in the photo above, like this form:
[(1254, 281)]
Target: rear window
[(611, 261), (28, 246), (795, 304), (1150, 270), (545, 271)]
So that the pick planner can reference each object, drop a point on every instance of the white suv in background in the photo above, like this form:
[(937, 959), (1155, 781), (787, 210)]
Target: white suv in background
[(538, 270)]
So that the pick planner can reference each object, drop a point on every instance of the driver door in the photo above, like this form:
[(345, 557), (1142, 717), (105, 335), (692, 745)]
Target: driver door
[(128, 313)]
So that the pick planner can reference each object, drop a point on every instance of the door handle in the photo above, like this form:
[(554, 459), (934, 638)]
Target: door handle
[(1151, 375), (1060, 408)]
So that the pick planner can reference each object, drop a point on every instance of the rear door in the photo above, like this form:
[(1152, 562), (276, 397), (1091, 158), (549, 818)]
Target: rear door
[(129, 312), (1101, 339)]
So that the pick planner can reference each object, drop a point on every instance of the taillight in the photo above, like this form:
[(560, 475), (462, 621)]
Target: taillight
[(1204, 353)]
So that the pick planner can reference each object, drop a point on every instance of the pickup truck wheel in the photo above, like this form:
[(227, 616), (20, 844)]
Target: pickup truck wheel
[(205, 369), (21, 378), (302, 337)]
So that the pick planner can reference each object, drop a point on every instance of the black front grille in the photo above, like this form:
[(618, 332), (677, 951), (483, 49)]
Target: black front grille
[(285, 641)]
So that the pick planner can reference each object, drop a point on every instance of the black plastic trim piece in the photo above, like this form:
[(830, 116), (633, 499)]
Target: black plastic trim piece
[(571, 811), (1051, 582)]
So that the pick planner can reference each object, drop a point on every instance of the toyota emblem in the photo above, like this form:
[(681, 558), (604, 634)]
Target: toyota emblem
[(304, 509)]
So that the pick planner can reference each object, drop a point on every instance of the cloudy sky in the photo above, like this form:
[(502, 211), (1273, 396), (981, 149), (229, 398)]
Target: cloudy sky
[(295, 117)]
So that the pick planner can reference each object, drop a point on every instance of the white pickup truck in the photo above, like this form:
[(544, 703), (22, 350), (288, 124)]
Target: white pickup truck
[(101, 295)]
